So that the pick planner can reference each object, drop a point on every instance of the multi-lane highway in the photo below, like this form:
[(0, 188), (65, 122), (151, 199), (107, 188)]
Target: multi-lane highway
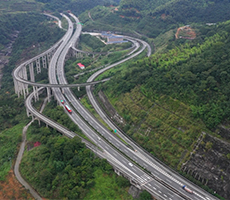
[(144, 160), (161, 181), (114, 156)]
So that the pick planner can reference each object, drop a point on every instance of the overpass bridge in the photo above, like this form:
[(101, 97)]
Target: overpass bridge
[(137, 176)]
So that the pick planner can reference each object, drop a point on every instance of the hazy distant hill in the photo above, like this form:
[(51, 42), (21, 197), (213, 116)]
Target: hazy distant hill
[(181, 10), (142, 5), (152, 18), (77, 6)]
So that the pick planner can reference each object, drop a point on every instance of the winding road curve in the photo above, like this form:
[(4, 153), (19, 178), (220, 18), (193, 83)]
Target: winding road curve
[(105, 133), (156, 182), (18, 161)]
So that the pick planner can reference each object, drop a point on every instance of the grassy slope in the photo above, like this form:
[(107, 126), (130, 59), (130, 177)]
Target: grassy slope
[(156, 20), (16, 6), (9, 139), (163, 116), (164, 126), (102, 175), (106, 188)]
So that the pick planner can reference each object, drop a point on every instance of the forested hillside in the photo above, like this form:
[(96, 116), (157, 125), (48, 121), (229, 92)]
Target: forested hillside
[(22, 36), (144, 5), (152, 18), (195, 73), (170, 101), (33, 31), (65, 168), (76, 6), (19, 6), (81, 173)]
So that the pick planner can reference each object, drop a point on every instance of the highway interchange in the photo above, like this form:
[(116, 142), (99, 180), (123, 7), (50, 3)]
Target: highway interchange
[(160, 181)]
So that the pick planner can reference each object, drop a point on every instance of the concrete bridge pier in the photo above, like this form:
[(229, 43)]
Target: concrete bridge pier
[(16, 86), (28, 113), (72, 52), (135, 183), (24, 90), (22, 86), (134, 191), (38, 66), (49, 56), (24, 76), (31, 69), (33, 118), (19, 89), (44, 63), (35, 91), (117, 172), (48, 94)]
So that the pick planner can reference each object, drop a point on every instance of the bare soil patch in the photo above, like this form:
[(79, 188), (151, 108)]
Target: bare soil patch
[(185, 32), (12, 189)]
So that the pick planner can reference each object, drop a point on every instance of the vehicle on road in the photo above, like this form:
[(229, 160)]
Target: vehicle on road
[(68, 108), (130, 164), (62, 101), (187, 190)]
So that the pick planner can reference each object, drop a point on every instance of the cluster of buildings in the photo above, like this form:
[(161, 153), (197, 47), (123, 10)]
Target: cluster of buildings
[(112, 38)]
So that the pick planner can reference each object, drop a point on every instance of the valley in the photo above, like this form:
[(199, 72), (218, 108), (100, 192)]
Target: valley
[(173, 104)]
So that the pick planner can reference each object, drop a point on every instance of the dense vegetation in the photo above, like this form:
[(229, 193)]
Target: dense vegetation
[(19, 6), (9, 139), (167, 100), (31, 32), (91, 44), (76, 6), (81, 164), (12, 110), (194, 73), (152, 18), (65, 168), (171, 92)]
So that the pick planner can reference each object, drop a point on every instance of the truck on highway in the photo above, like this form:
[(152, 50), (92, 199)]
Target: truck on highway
[(187, 189), (68, 108)]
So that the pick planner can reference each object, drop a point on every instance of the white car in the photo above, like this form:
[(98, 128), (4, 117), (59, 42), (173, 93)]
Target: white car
[(130, 164)]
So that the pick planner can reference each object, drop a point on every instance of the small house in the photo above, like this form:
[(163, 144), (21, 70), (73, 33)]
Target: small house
[(81, 66)]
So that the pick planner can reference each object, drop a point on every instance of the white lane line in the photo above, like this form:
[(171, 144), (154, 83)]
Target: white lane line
[(134, 169), (156, 172), (199, 195), (168, 180)]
